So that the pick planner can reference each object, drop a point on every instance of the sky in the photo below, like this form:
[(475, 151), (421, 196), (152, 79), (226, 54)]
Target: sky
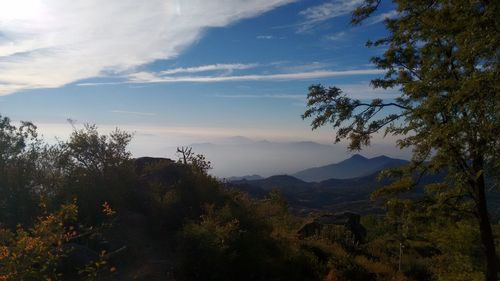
[(181, 72)]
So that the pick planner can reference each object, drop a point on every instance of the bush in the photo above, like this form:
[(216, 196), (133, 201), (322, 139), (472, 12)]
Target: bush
[(34, 254)]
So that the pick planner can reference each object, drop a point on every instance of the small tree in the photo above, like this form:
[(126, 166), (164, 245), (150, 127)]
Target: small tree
[(444, 58)]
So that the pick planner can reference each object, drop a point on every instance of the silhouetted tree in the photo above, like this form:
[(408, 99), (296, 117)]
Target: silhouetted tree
[(197, 161)]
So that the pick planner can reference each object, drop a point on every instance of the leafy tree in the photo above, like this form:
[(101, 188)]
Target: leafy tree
[(19, 153), (97, 153), (443, 56), (96, 168)]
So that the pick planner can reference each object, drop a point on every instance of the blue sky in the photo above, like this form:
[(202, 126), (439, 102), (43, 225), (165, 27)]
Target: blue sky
[(175, 72)]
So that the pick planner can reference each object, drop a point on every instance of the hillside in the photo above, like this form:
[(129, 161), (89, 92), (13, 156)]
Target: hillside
[(337, 194), (356, 166), (332, 194), (246, 177)]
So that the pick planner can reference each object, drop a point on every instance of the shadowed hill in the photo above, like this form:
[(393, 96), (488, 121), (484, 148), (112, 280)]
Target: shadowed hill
[(247, 177), (332, 194), (356, 166)]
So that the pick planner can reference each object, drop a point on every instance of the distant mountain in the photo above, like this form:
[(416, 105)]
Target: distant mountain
[(238, 156), (332, 195), (247, 177), (356, 166), (285, 183)]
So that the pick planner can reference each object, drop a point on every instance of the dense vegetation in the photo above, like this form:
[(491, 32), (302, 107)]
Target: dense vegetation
[(85, 210), (443, 57)]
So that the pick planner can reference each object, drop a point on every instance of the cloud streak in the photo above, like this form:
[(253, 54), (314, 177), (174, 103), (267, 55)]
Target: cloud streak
[(336, 36), (318, 14), (211, 67), (263, 96), (362, 91), (148, 77), (50, 43), (264, 37)]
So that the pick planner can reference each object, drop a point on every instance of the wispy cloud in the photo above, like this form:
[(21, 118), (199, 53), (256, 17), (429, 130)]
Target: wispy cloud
[(148, 77), (307, 67), (265, 37), (51, 43), (262, 96), (361, 91), (318, 14), (133, 112), (211, 67), (336, 36)]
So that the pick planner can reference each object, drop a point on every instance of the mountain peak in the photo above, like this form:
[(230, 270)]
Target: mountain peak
[(236, 140), (358, 156), (382, 157), (355, 166)]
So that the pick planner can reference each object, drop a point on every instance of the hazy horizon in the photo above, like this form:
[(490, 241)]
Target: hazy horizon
[(236, 155)]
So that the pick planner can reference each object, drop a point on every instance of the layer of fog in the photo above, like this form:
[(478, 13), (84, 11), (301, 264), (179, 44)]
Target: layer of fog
[(262, 152)]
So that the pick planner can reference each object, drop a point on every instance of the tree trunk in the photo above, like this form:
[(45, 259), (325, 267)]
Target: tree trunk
[(487, 238)]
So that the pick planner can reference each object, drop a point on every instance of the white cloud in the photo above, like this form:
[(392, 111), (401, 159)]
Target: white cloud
[(265, 37), (312, 66), (148, 77), (262, 96), (326, 11), (211, 67), (336, 36), (50, 43)]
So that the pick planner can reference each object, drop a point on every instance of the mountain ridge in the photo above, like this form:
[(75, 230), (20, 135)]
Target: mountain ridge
[(353, 167)]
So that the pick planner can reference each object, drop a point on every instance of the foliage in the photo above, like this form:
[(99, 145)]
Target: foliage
[(433, 247), (94, 270), (97, 168), (33, 254), (173, 214), (19, 153), (97, 153), (234, 242), (443, 57)]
